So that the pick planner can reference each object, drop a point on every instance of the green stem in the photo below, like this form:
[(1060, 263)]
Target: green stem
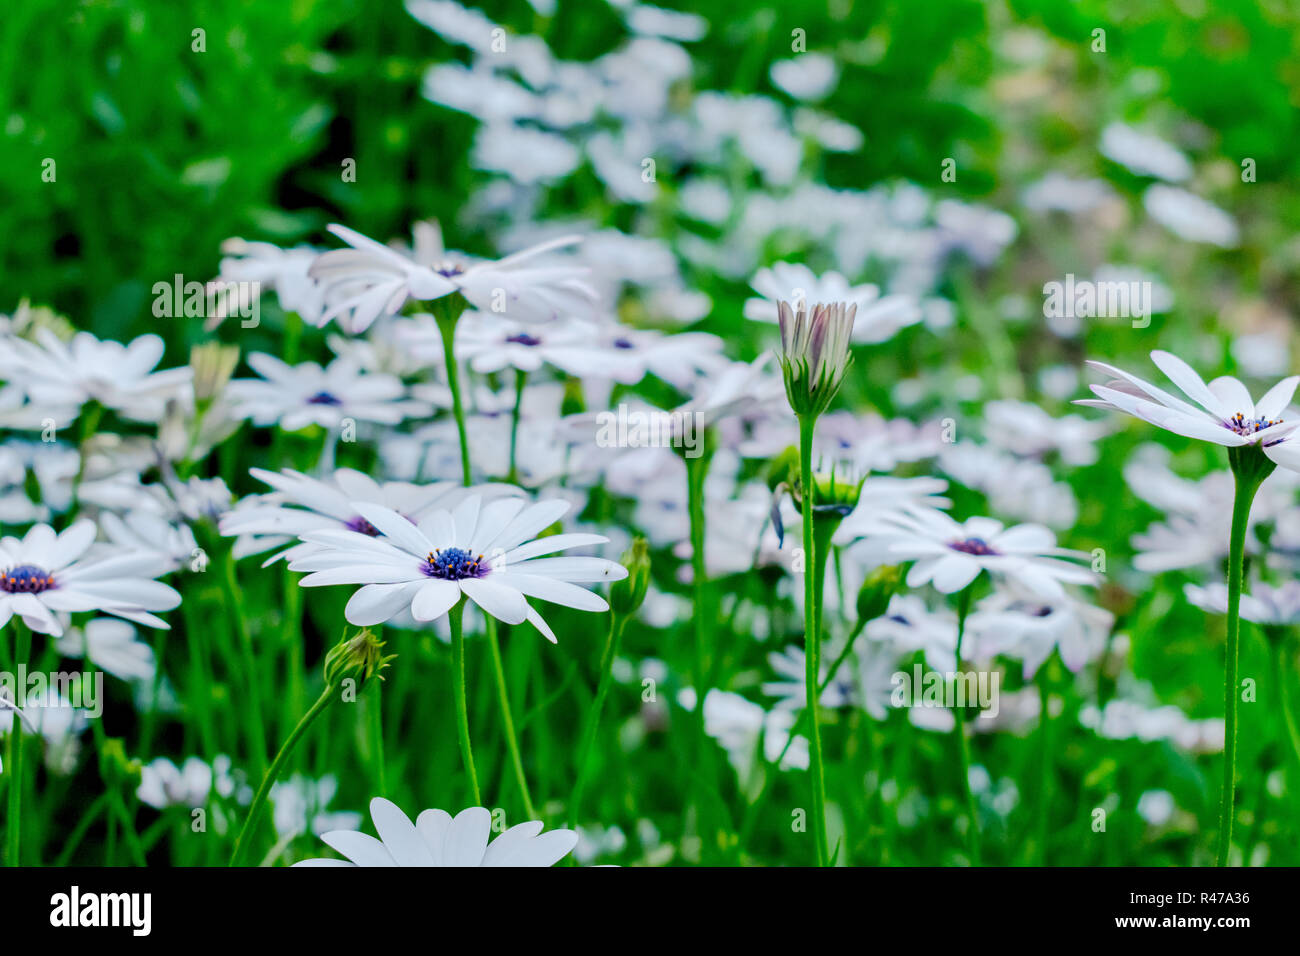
[(447, 316), (959, 728), (375, 721), (1249, 469), (616, 623), (14, 762), (263, 792), (812, 637), (697, 470), (751, 815), (455, 618), (507, 719), (521, 377), (234, 606), (1045, 764)]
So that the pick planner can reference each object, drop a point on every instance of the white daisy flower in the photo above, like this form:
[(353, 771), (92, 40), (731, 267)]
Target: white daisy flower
[(878, 318), (370, 280), (45, 573), (163, 784), (1143, 153), (436, 838), (483, 552), (1227, 415), (1028, 627), (296, 396), (1265, 604), (300, 503), (1190, 217), (70, 374), (951, 554)]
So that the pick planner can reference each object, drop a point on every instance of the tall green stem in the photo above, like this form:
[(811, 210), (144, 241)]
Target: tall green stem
[(959, 728), (375, 730), (14, 761), (812, 637), (521, 378), (268, 780), (235, 608), (447, 313), (1249, 468), (697, 470), (455, 618), (507, 718), (616, 623)]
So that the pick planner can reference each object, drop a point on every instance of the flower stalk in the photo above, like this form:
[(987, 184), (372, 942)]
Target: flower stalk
[(1249, 469)]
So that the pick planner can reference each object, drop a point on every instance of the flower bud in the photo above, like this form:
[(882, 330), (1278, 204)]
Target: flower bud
[(876, 591), (357, 658), (627, 595), (814, 353), (213, 364)]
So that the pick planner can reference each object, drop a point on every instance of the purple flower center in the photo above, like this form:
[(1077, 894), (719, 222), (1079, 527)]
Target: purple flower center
[(1242, 425), (324, 398), (623, 344), (976, 546), (523, 338), (455, 564), (361, 525), (449, 270), (25, 579)]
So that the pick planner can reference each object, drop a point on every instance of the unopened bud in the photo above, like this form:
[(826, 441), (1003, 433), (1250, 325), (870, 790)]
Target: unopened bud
[(213, 364), (626, 596), (359, 657), (877, 590)]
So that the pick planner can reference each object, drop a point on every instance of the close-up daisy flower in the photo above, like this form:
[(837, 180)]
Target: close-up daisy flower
[(1227, 415), (487, 553)]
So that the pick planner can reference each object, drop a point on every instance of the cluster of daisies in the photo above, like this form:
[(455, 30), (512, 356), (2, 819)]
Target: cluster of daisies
[(453, 455)]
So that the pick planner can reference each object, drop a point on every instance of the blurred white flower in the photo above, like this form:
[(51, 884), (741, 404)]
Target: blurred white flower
[(1190, 217), (1144, 154)]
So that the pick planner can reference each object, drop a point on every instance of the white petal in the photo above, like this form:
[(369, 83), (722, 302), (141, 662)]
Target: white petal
[(360, 848), (467, 838), (400, 837), (503, 602), (376, 603), (434, 599)]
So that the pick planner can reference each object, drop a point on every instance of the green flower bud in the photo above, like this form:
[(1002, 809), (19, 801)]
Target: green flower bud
[(358, 658), (627, 595), (874, 595)]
